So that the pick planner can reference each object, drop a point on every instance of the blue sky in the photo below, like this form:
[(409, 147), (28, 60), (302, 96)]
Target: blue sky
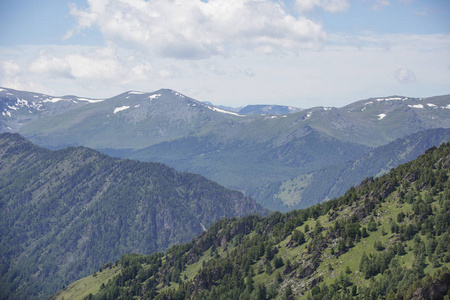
[(302, 53)]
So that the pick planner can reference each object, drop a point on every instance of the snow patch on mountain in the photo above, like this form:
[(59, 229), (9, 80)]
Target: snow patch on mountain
[(381, 116), (52, 100), (135, 93), (415, 105), (120, 109), (276, 117), (178, 94), (154, 96), (392, 99), (432, 105), (89, 100), (224, 111), (24, 104)]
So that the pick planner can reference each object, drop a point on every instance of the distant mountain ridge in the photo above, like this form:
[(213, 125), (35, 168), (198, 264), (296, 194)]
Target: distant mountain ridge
[(259, 154), (268, 110), (65, 213), (333, 180), (18, 107)]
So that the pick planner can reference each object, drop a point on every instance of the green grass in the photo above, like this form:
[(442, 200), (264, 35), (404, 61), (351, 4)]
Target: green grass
[(88, 285)]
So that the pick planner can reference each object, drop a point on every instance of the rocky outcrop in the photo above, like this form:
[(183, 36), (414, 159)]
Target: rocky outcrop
[(435, 291)]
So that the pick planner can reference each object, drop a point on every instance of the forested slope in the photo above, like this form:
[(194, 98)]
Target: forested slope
[(388, 238), (65, 213)]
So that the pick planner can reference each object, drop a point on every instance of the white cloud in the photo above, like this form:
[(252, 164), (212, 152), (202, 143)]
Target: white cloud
[(9, 68), (214, 68), (51, 66), (379, 4), (100, 64), (328, 5), (193, 29), (336, 75), (11, 76), (404, 75)]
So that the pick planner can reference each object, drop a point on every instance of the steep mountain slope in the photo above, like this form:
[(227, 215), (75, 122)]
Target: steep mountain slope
[(387, 238), (64, 213), (333, 180)]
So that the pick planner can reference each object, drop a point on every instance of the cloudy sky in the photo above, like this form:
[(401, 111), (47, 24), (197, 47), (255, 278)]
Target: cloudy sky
[(302, 53)]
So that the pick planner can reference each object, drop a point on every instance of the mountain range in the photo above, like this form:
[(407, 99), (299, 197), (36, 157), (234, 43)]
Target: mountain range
[(277, 159), (386, 238), (65, 213)]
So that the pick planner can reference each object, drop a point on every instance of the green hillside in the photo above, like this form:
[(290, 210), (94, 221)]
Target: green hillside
[(335, 179), (65, 213), (387, 238)]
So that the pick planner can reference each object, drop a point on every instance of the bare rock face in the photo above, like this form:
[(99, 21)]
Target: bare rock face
[(436, 291), (446, 162), (308, 270)]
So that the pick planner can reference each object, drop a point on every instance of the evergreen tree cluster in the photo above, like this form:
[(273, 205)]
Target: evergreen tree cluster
[(387, 238), (66, 213)]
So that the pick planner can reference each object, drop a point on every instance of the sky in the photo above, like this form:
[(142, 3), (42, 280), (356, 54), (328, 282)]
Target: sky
[(302, 53)]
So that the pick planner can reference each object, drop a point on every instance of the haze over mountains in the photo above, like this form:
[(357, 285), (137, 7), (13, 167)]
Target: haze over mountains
[(278, 159)]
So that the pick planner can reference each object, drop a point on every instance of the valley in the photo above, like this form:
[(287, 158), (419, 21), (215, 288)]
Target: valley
[(386, 238), (264, 156)]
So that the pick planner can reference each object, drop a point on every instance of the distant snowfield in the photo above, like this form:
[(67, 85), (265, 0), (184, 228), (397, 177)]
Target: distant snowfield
[(381, 116), (155, 96), (120, 109), (89, 100), (416, 106), (52, 100), (392, 99), (224, 111)]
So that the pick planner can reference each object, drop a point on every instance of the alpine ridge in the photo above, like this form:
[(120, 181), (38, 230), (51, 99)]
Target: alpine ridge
[(277, 159)]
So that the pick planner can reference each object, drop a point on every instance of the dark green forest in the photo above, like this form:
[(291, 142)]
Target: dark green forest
[(65, 213), (387, 238)]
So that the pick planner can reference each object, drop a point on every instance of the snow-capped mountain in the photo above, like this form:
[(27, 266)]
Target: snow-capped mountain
[(18, 108), (255, 153)]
